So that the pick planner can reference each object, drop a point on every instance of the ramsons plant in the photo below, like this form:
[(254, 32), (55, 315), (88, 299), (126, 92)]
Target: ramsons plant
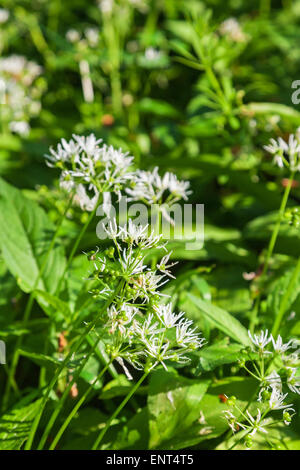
[(114, 334)]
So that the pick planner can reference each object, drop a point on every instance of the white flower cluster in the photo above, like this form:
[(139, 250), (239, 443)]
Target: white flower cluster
[(4, 15), (274, 367), (286, 153), (232, 29), (89, 168), (18, 92), (288, 370), (151, 188), (141, 330), (90, 38)]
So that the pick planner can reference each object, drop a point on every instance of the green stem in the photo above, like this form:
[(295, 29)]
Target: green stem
[(117, 411), (76, 408), (72, 351), (64, 397), (29, 306), (265, 7), (271, 247), (285, 299), (75, 246)]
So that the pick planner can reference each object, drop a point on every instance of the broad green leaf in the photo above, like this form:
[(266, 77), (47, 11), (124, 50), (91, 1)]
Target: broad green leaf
[(25, 236), (40, 359), (15, 426), (174, 410), (216, 355), (282, 110), (157, 107), (222, 320), (133, 435), (49, 302)]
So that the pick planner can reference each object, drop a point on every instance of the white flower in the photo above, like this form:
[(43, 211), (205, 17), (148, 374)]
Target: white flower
[(279, 346), (230, 27), (162, 352), (84, 160), (19, 67), (261, 341), (163, 267), (133, 234), (4, 15), (274, 380), (166, 316), (186, 336), (152, 54), (120, 317), (276, 401), (106, 6), (147, 328), (150, 187), (293, 381), (231, 420), (147, 284), (86, 202), (279, 147), (73, 35), (257, 424), (20, 127), (92, 35)]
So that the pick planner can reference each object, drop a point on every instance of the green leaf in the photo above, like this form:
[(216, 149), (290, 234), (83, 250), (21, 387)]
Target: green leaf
[(216, 355), (40, 359), (15, 426), (222, 320), (174, 411), (25, 236), (157, 107), (47, 301)]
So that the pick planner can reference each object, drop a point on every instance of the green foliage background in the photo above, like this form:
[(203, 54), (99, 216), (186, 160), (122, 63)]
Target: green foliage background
[(203, 109)]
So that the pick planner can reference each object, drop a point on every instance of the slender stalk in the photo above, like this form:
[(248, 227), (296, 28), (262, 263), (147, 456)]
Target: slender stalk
[(29, 306), (117, 411), (72, 351), (76, 244), (265, 7), (271, 247), (285, 299), (64, 397), (76, 408)]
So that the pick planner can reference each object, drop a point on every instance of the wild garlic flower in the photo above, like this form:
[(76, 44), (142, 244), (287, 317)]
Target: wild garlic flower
[(4, 15), (21, 69), (257, 424), (293, 381), (281, 347), (106, 6), (285, 153), (166, 315), (138, 235), (92, 36), (119, 317), (231, 28), (186, 336), (151, 188), (140, 330), (163, 267), (90, 167), (274, 380), (276, 401), (19, 92), (73, 36), (261, 341)]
